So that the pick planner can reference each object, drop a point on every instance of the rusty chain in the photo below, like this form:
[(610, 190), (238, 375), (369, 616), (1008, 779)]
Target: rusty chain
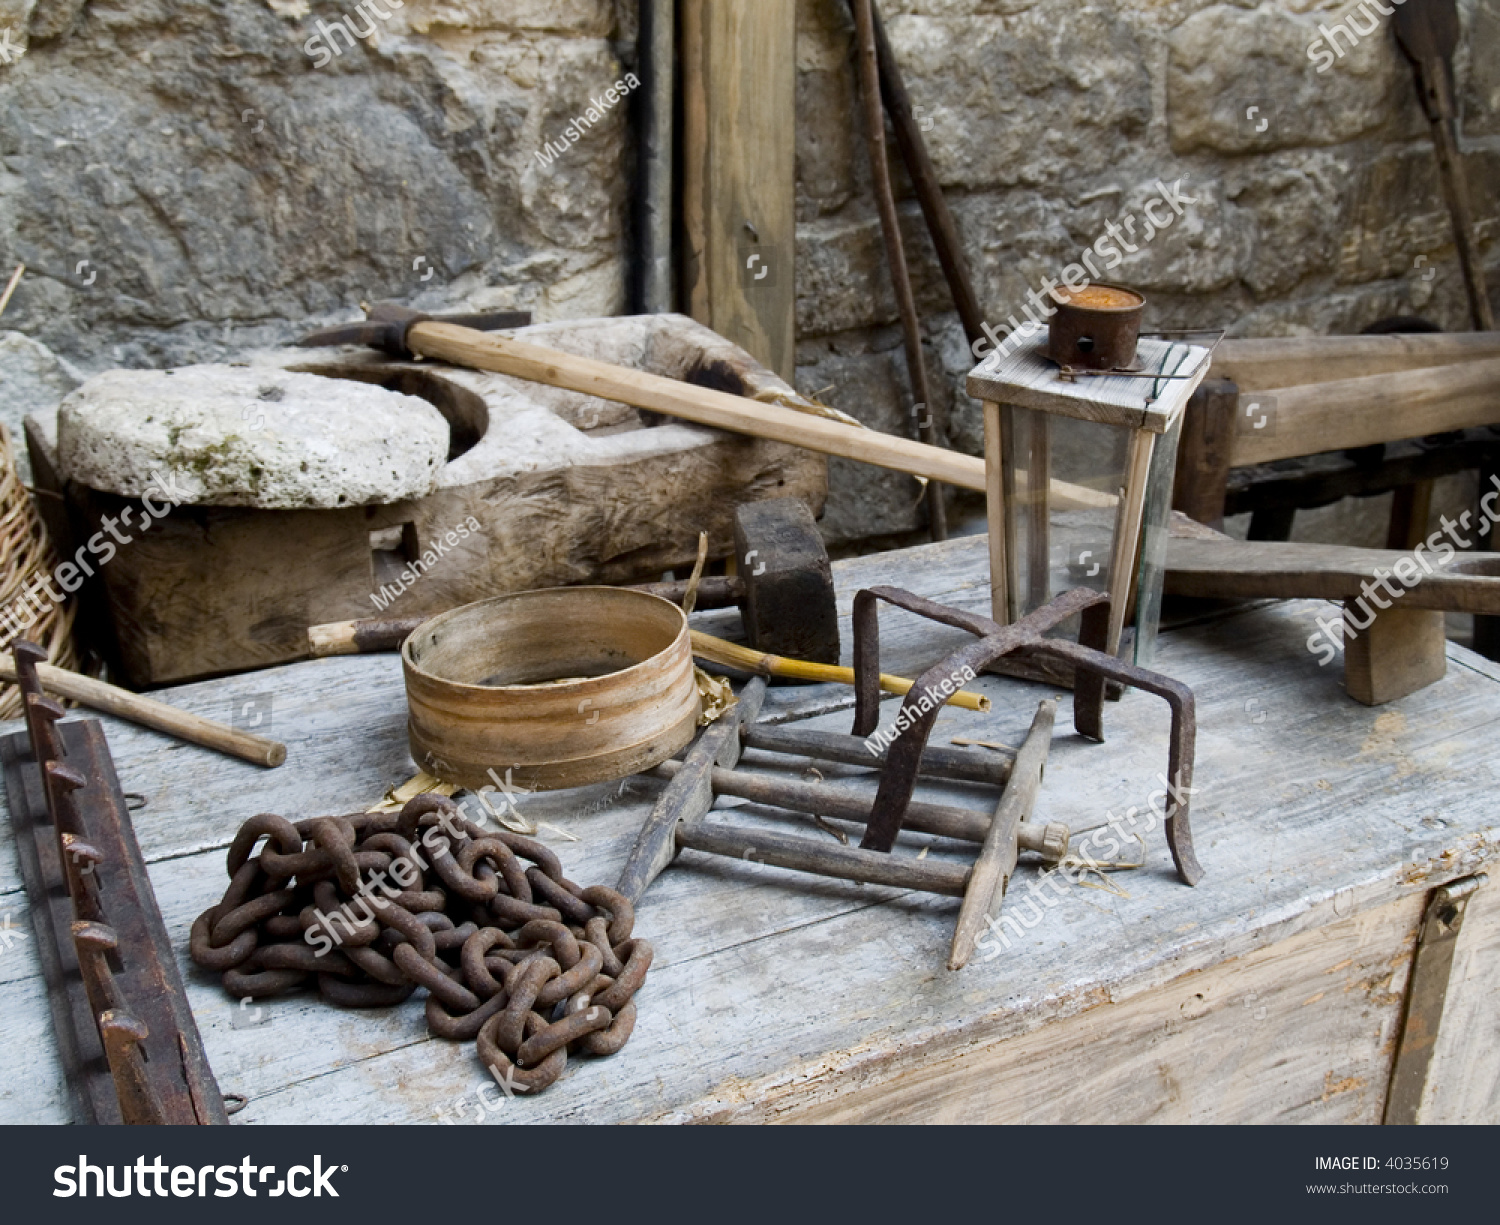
[(512, 955)]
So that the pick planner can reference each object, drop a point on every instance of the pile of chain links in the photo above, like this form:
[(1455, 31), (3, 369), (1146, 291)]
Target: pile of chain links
[(566, 963)]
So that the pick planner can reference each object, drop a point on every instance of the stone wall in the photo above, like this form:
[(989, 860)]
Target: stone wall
[(1318, 212), (187, 180)]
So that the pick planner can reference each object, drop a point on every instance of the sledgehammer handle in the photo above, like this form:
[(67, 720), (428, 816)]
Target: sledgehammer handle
[(520, 359)]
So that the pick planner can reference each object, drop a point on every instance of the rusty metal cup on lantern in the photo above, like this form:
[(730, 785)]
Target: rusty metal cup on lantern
[(1081, 430), (1095, 327)]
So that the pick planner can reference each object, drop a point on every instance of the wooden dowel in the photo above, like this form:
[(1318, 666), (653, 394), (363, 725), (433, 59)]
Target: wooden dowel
[(820, 799), (10, 288), (123, 704), (997, 857), (368, 637), (1127, 542), (956, 765), (824, 858)]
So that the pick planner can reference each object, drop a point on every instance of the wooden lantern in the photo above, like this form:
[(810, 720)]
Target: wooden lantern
[(1078, 468)]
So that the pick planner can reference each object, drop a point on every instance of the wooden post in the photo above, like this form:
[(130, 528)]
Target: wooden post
[(739, 62), (1128, 534), (994, 492), (1400, 651), (1203, 454)]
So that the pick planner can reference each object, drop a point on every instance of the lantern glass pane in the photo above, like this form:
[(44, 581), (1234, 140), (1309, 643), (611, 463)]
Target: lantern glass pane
[(1060, 531)]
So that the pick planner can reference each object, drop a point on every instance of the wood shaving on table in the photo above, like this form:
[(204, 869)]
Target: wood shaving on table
[(717, 694), (419, 784), (690, 596)]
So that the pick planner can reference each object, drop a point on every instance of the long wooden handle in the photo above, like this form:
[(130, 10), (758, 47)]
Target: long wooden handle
[(123, 704), (387, 634), (520, 359)]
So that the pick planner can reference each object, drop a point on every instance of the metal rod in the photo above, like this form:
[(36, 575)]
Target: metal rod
[(654, 56), (924, 180)]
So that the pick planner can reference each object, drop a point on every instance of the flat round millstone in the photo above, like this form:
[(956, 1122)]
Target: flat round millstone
[(237, 436)]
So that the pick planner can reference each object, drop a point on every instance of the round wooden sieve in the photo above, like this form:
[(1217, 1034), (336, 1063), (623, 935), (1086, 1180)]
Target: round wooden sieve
[(556, 688)]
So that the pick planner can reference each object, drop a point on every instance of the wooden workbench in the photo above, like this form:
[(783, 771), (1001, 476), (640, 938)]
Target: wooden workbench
[(1270, 992)]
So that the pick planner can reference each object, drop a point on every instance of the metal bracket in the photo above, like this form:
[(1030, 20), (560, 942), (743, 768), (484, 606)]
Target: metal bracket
[(1426, 994)]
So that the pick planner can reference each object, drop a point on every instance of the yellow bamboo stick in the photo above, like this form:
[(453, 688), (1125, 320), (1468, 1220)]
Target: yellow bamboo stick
[(732, 655)]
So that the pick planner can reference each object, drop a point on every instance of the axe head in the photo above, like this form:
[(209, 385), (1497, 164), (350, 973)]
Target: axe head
[(386, 325)]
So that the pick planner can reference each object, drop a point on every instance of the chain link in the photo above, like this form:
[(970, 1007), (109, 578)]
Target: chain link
[(512, 955)]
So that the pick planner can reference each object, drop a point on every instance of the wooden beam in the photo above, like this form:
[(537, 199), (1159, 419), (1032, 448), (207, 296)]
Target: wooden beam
[(739, 62), (1280, 570), (1286, 361), (1356, 412)]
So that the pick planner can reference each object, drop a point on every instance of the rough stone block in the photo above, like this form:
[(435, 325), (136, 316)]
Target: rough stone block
[(233, 436)]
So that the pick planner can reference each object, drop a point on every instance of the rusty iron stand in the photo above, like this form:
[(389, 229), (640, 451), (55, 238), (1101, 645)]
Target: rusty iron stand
[(676, 821), (130, 1050)]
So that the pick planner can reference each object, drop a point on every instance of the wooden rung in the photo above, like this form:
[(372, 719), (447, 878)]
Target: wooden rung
[(824, 858)]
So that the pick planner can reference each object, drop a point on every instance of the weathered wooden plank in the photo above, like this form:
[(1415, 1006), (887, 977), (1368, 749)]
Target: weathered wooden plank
[(1293, 1033), (1287, 361), (1357, 412), (1026, 378), (1463, 1080), (997, 858), (739, 172)]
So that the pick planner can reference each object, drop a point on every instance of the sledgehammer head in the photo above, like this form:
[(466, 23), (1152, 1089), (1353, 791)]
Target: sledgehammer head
[(387, 323), (789, 604)]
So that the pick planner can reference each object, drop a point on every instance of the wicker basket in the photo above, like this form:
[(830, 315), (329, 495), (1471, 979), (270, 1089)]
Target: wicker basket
[(25, 555)]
